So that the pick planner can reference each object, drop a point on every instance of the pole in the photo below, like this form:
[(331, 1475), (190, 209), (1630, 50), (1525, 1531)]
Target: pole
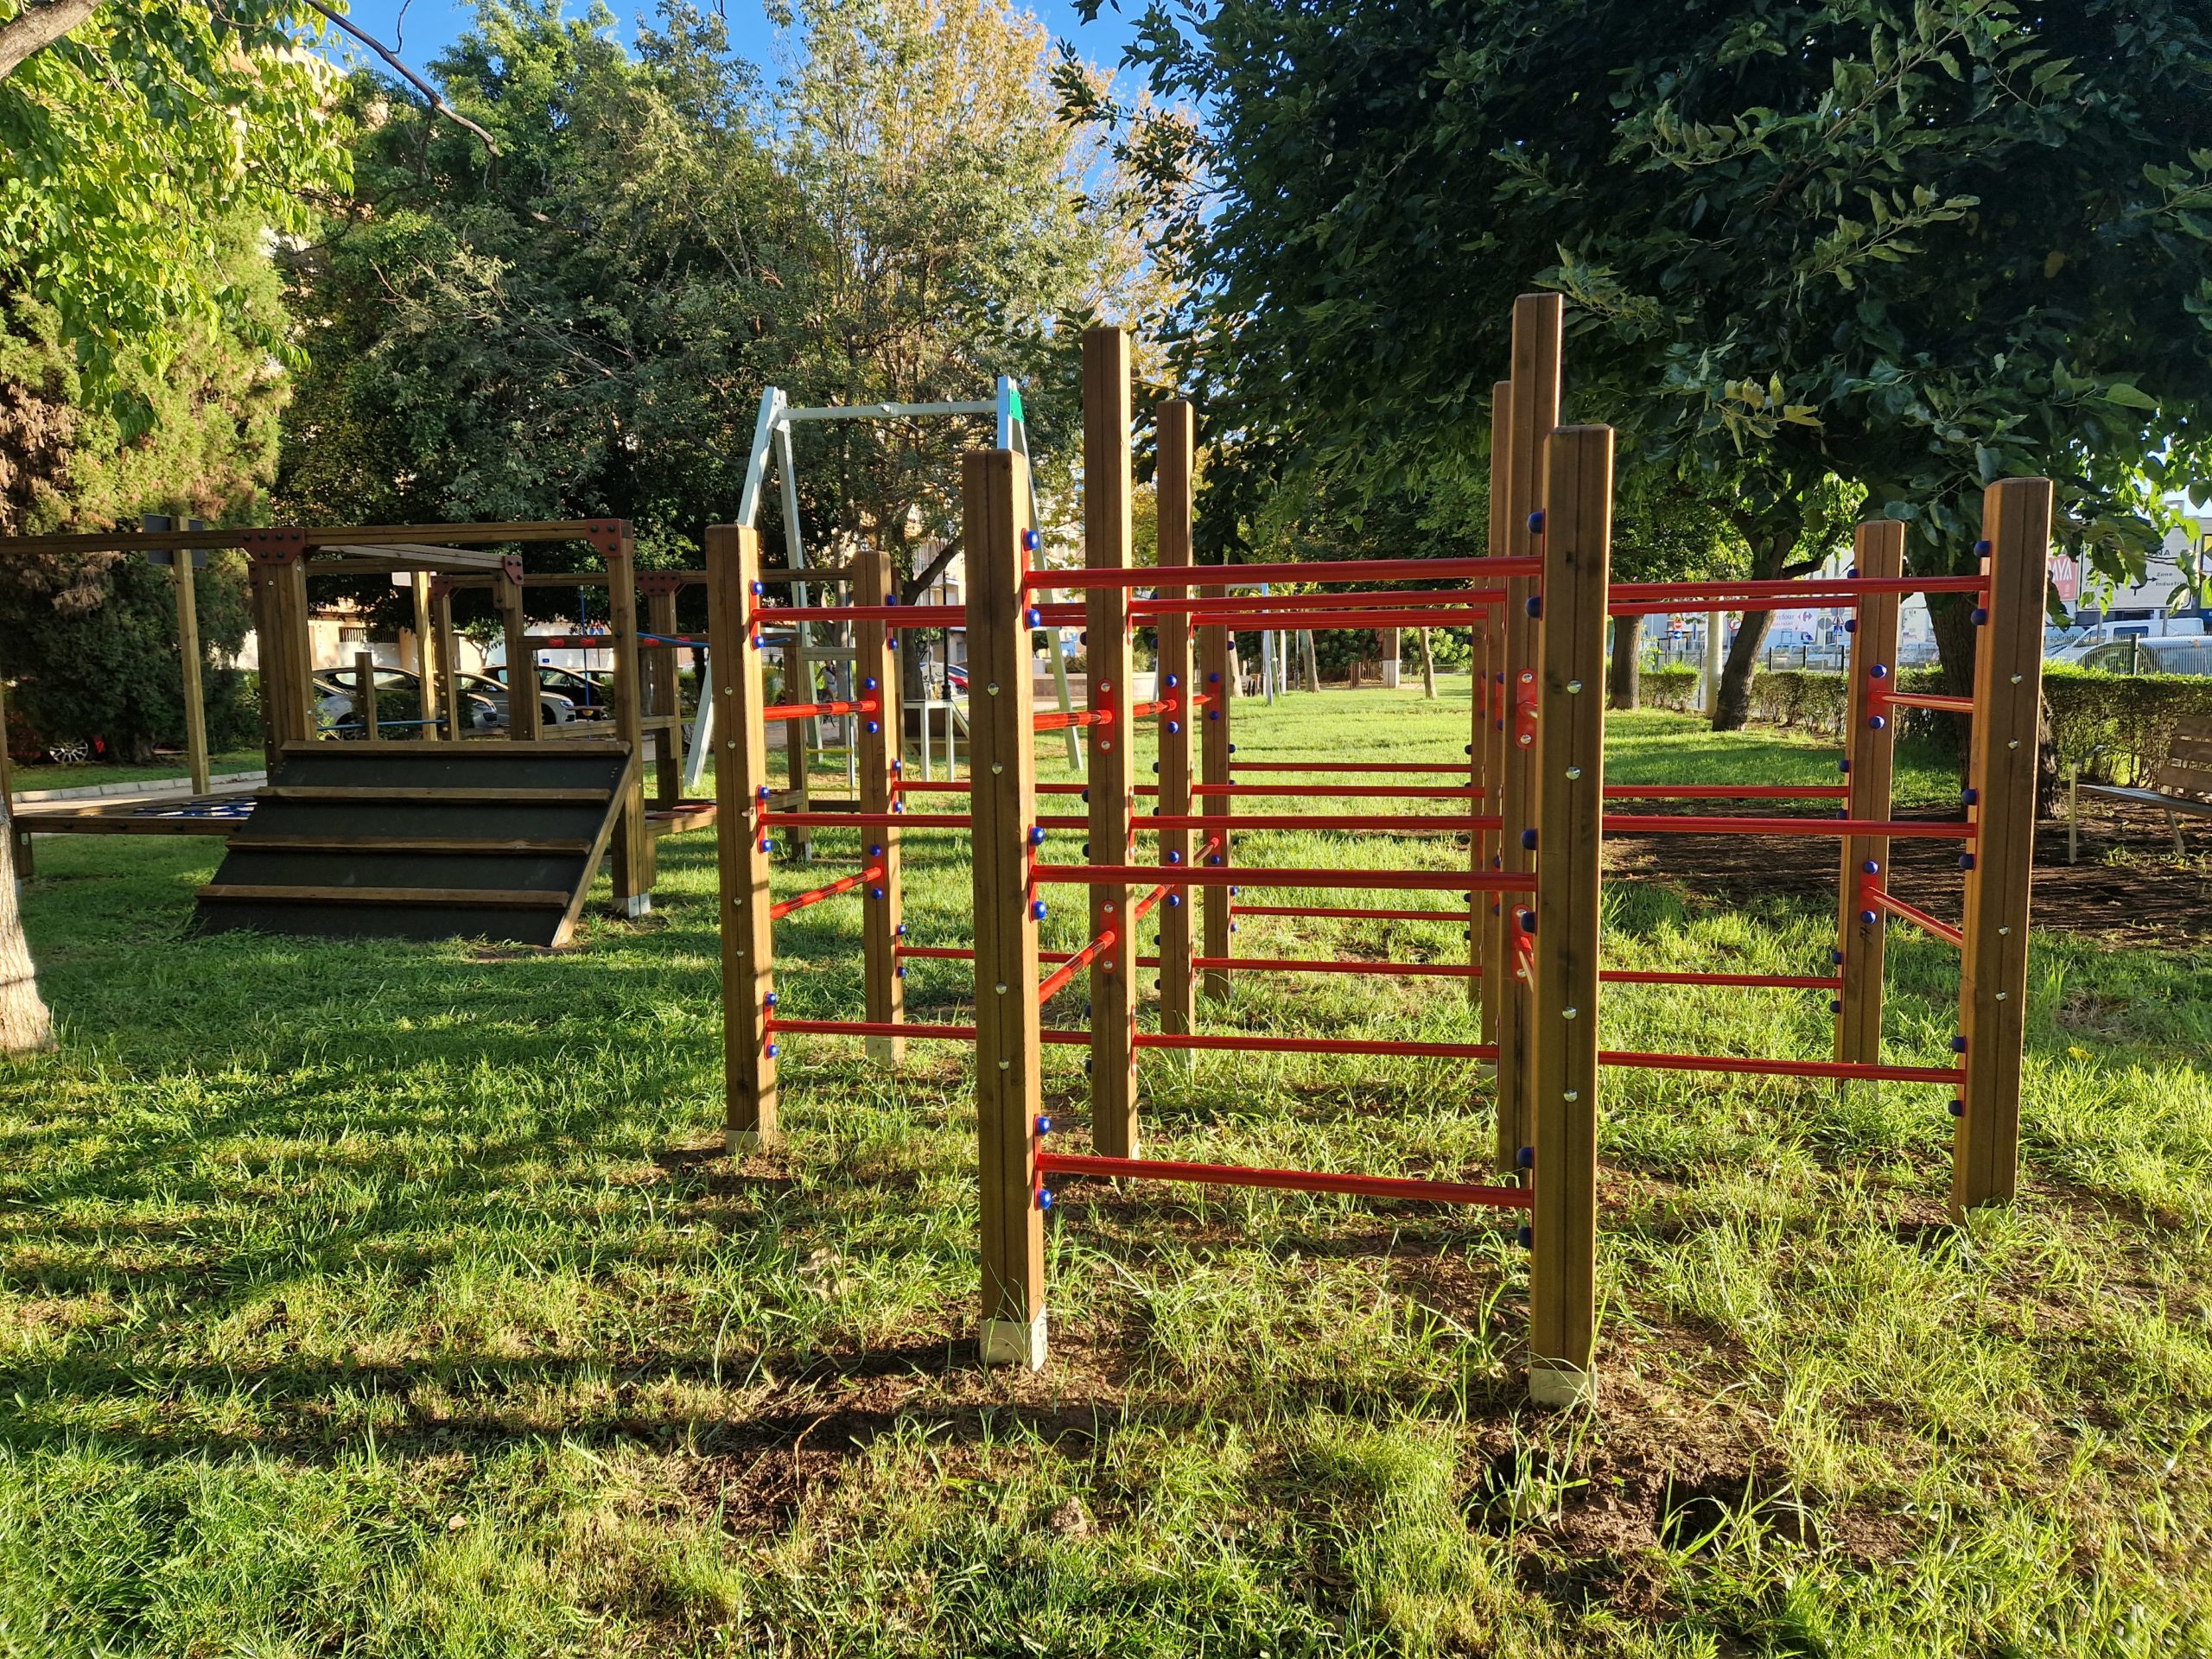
[(1173, 482), (1870, 754), (878, 743)]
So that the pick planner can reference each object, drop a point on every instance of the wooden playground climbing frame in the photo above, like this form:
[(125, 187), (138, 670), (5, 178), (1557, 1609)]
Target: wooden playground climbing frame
[(1536, 809)]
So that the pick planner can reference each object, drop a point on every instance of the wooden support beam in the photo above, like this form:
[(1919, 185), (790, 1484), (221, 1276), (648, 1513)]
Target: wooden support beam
[(364, 697), (188, 655), (523, 710), (1010, 1091), (1570, 775), (1217, 682), (1172, 487), (2008, 703), (1486, 756), (446, 700), (1108, 482), (740, 787), (1870, 757), (879, 742), (633, 841), (1532, 413), (666, 699)]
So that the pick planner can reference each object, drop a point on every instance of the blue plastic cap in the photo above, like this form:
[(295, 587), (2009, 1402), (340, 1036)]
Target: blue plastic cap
[(1835, 956), (1528, 840), (1174, 680), (1867, 918), (767, 846), (1235, 892), (1958, 1109), (902, 929), (1536, 523), (1029, 540), (1981, 616), (1880, 671), (1526, 1157), (1969, 796), (1878, 722), (1852, 574), (1872, 867), (1216, 859), (1037, 835), (1843, 765), (1213, 714), (1213, 679), (1470, 748), (1174, 901), (875, 852), (1174, 857), (1851, 624), (875, 893), (1527, 1237), (1035, 617), (1536, 604), (1036, 909), (902, 971), (772, 1051), (869, 683), (874, 727), (1958, 1045), (759, 587), (1982, 550), (1044, 1199), (771, 999), (1173, 727), (1044, 1125), (1966, 861)]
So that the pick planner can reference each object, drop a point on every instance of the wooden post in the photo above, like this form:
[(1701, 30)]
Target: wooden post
[(1009, 1092), (445, 691), (633, 841), (1570, 773), (1487, 770), (1870, 740), (188, 651), (418, 583), (2008, 706), (740, 798), (1217, 682), (364, 697), (1533, 412), (1173, 488), (276, 559), (523, 710), (667, 695), (880, 741), (1106, 486)]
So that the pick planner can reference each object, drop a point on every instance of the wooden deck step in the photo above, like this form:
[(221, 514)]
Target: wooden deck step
[(437, 795), (473, 898), (577, 848)]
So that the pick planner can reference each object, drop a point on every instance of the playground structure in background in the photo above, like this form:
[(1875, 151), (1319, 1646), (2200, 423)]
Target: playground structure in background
[(1536, 807)]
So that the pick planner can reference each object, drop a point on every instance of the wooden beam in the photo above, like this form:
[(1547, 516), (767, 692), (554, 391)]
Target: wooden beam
[(741, 789), (1570, 775), (187, 652), (445, 692), (2008, 702), (664, 699), (364, 697), (523, 713), (1107, 485), (879, 744), (1870, 758), (1173, 489), (633, 845), (1486, 758), (1009, 1092)]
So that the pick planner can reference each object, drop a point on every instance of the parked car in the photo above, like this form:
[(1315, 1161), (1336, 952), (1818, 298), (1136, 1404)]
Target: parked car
[(2178, 654), (29, 746), (591, 694), (400, 704), (553, 708)]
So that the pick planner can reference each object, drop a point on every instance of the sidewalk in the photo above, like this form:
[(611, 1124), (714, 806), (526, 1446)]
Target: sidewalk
[(155, 790)]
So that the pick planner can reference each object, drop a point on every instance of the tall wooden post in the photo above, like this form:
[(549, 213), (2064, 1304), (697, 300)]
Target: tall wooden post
[(278, 564), (364, 697), (1533, 414), (2008, 704), (659, 589), (1486, 760), (523, 710), (740, 800), (418, 584), (182, 572), (1173, 488), (1010, 1091), (443, 692), (633, 841), (1107, 485), (1570, 777), (1870, 752), (875, 674), (1217, 683)]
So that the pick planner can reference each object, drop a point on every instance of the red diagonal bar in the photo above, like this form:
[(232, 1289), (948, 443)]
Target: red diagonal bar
[(1056, 981), (901, 1028), (1292, 1180), (1251, 1043), (843, 884), (1919, 917), (1638, 1060)]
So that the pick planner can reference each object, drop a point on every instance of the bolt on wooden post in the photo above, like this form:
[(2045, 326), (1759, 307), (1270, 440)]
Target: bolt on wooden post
[(741, 802), (1869, 756), (1173, 486), (1002, 803), (2008, 705), (1533, 413), (880, 738), (1106, 533), (1570, 776)]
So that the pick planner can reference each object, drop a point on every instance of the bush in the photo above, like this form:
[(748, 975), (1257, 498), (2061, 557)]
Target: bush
[(1673, 687)]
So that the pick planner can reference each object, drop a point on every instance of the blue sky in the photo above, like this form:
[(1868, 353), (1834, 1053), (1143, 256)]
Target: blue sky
[(422, 28)]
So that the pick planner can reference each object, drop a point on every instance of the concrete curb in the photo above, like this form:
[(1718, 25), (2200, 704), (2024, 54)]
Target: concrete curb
[(154, 787)]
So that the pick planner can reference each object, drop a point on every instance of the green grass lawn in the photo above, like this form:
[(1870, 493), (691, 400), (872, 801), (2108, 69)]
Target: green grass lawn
[(164, 769), (396, 1300)]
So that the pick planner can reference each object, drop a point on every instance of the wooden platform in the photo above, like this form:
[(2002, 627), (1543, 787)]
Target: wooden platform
[(422, 841)]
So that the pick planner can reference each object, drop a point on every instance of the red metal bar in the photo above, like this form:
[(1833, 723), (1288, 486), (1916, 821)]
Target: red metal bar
[(1245, 575), (1928, 700), (1060, 719), (1896, 906), (1253, 1044), (1780, 1068), (1431, 823), (1456, 917), (1349, 766), (1256, 619), (1623, 825), (901, 1028), (1144, 906), (843, 884), (1461, 970), (1699, 595), (1056, 981), (1726, 792), (874, 820), (1669, 976), (808, 710), (1222, 876), (897, 616), (1346, 792), (1201, 608), (1294, 1180)]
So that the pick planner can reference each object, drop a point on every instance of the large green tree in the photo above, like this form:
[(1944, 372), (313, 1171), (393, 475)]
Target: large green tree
[(1863, 254)]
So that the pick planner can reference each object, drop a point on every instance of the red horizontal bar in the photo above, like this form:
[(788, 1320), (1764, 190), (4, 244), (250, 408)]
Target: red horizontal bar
[(1726, 792), (843, 884), (875, 820), (897, 616), (1456, 917), (1349, 766), (1244, 575), (1253, 1044), (1694, 595), (1623, 824), (1882, 901), (808, 710), (1380, 970), (1060, 719), (1432, 823), (1215, 875), (1669, 976), (1780, 1068), (1257, 620), (1056, 981), (1345, 792), (1294, 1180), (1202, 608), (900, 1028), (1918, 699)]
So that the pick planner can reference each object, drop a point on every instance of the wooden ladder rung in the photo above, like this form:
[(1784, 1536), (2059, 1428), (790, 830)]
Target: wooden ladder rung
[(437, 898), (436, 795), (557, 848)]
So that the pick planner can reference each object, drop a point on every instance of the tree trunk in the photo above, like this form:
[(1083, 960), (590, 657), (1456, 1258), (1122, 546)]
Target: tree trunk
[(1952, 618), (1732, 710), (1628, 651), (1427, 668), (24, 1022)]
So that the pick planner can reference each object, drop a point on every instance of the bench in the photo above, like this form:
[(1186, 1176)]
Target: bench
[(2181, 787)]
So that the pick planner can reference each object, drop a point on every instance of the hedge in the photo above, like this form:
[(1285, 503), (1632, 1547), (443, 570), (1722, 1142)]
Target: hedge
[(1671, 687), (2115, 726)]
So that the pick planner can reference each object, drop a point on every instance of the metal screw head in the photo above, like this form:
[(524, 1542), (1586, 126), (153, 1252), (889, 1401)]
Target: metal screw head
[(1568, 1013), (1526, 739), (992, 688), (1574, 772), (2002, 932), (1574, 688), (2014, 744), (2016, 679), (999, 988), (1006, 1066), (997, 767), (2001, 996), (1571, 1095)]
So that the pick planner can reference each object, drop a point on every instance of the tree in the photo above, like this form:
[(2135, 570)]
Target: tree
[(24, 1022), (1825, 256)]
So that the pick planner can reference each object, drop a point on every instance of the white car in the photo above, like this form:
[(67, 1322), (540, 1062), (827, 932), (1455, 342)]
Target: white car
[(2175, 654)]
